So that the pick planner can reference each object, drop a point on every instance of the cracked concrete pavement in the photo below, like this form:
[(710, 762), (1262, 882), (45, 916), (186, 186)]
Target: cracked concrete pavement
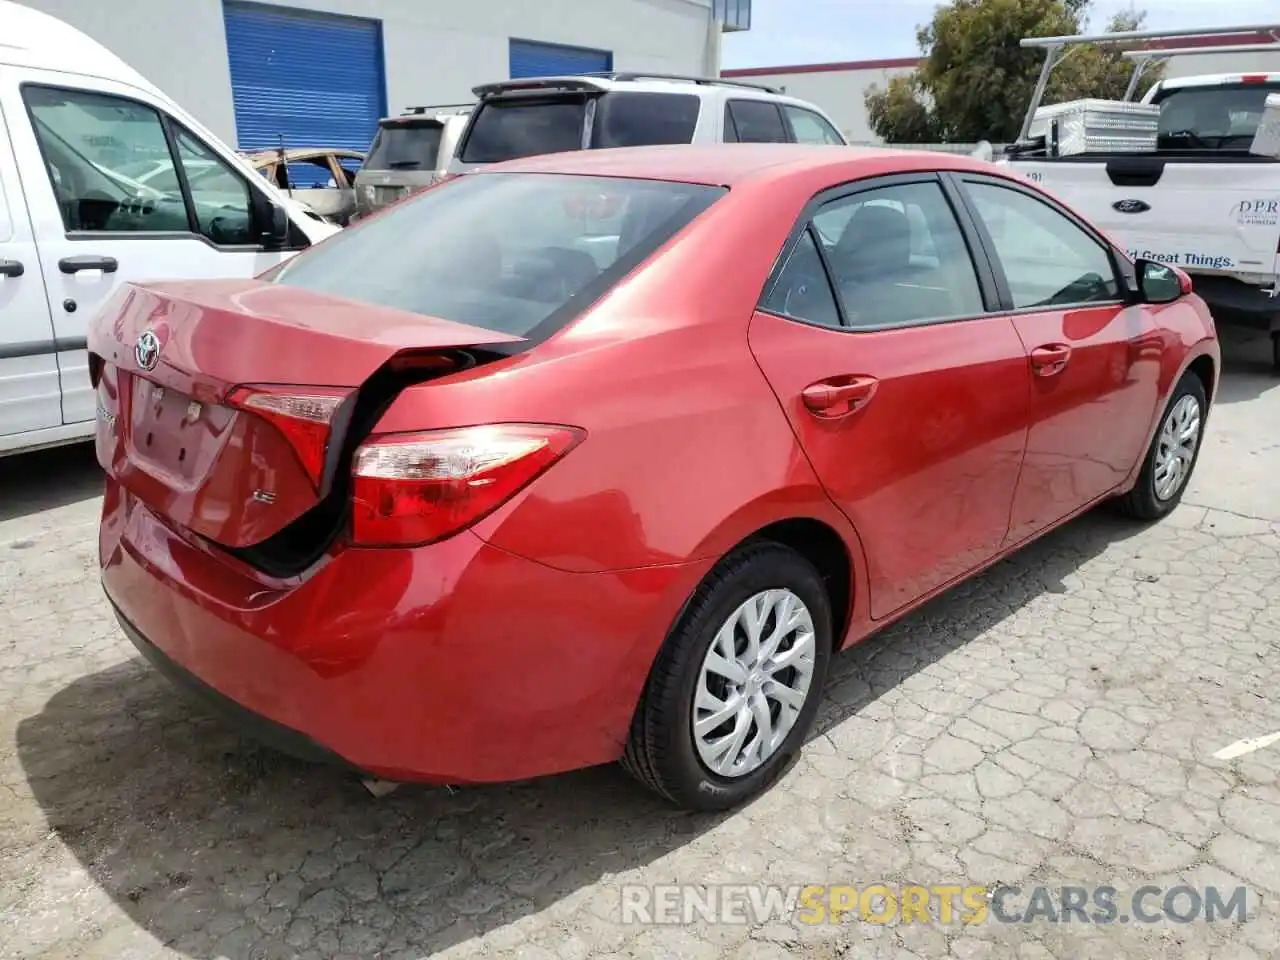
[(1053, 722)]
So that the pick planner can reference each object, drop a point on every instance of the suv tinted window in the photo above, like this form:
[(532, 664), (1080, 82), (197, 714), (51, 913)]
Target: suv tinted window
[(506, 252), (811, 128), (508, 129), (644, 119), (405, 145), (754, 121)]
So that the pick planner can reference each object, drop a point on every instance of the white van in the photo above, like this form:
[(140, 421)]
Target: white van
[(79, 133)]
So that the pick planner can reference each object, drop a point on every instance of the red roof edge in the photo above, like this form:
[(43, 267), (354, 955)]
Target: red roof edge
[(898, 63), (1191, 42), (1209, 42)]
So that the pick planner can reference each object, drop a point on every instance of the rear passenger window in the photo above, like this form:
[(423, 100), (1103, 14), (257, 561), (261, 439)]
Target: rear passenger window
[(802, 290), (1048, 261), (897, 256), (811, 128), (644, 119), (754, 121)]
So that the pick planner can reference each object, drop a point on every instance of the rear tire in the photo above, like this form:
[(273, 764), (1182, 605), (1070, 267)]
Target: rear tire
[(665, 752), (1156, 493)]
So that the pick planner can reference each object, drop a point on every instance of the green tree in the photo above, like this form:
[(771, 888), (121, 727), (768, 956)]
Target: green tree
[(976, 81)]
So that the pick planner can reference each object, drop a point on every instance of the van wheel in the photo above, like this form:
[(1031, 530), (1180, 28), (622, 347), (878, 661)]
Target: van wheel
[(1173, 453), (737, 683)]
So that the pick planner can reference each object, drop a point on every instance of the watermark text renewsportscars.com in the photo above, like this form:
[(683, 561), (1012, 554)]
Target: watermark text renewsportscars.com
[(676, 904)]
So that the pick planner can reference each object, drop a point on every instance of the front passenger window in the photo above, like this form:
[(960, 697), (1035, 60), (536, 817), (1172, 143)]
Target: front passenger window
[(1048, 261), (108, 162), (224, 211)]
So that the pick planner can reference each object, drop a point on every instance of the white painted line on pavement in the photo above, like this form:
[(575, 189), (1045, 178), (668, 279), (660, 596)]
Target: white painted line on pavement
[(1241, 747)]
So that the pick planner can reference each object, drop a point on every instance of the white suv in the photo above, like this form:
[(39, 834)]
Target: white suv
[(525, 117)]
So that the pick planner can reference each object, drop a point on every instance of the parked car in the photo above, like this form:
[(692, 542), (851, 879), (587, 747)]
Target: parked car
[(323, 178), (468, 494), (529, 116), (91, 160), (408, 153)]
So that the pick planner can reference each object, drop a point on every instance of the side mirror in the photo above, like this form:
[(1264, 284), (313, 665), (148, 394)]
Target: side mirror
[(277, 230), (271, 221), (1160, 282)]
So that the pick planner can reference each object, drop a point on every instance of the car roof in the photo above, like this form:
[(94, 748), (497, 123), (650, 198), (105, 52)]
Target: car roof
[(734, 163)]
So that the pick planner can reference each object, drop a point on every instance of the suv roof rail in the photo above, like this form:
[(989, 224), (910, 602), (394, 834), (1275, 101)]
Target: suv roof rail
[(686, 78), (592, 82)]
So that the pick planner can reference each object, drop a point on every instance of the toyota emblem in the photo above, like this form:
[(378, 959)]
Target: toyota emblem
[(147, 350)]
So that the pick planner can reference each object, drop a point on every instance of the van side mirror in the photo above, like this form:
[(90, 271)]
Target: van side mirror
[(1160, 282), (270, 220), (277, 228)]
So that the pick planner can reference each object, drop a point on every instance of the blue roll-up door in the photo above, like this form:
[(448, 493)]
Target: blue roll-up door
[(315, 79), (530, 59)]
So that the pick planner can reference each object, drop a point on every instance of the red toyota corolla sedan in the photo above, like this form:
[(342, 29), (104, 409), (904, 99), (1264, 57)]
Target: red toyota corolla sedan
[(602, 455)]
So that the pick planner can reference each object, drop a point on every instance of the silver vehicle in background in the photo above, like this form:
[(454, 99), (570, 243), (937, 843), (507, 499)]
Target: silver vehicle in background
[(409, 152)]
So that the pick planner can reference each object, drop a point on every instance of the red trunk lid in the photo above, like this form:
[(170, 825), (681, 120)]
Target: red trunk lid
[(176, 426)]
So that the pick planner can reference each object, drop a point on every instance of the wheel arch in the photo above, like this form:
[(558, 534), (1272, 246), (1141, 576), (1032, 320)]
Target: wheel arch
[(1206, 364), (819, 532)]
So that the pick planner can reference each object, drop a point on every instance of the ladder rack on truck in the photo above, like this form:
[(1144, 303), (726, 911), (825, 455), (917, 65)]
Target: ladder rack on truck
[(1187, 175)]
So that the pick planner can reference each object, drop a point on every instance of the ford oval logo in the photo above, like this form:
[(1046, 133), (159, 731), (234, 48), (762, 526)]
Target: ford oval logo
[(147, 350), (1130, 206)]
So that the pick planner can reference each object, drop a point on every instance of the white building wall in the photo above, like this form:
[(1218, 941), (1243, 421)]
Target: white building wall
[(434, 51)]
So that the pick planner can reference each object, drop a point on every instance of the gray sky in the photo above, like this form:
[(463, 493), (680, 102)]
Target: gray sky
[(819, 31)]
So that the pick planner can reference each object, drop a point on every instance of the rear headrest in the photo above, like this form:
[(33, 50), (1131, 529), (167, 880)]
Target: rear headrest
[(877, 239)]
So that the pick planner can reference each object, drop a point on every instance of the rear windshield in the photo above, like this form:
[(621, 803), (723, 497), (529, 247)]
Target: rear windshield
[(508, 129), (505, 130), (405, 146), (516, 253), (1212, 118)]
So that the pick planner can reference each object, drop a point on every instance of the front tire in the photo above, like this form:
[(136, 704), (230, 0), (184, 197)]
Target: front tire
[(735, 687), (1173, 453)]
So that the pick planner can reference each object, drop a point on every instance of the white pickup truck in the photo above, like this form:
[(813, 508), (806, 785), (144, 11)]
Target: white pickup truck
[(1195, 193)]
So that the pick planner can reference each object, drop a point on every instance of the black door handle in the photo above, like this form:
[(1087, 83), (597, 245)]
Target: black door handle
[(11, 268), (76, 264)]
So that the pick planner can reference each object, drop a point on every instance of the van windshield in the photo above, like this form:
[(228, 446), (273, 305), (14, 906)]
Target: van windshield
[(405, 145), (506, 252), (1219, 118)]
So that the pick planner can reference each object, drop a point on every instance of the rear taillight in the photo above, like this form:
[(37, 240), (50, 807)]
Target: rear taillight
[(413, 489), (304, 415)]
